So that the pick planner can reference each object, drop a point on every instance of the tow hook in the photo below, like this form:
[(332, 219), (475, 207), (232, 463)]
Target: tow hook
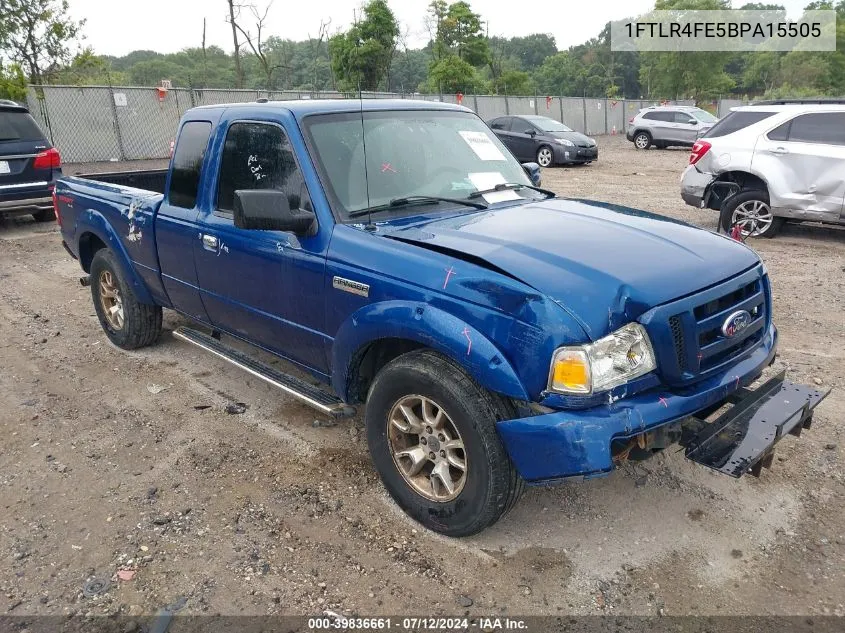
[(85, 281)]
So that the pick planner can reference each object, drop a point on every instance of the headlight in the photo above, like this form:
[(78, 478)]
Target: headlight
[(611, 361), (564, 141)]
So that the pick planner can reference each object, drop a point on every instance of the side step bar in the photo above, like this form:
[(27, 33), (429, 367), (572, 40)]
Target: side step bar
[(299, 389)]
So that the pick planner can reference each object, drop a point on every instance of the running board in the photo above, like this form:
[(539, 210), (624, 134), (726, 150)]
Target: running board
[(299, 389)]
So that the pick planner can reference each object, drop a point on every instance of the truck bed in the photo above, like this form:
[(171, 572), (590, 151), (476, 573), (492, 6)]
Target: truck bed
[(147, 179), (103, 207)]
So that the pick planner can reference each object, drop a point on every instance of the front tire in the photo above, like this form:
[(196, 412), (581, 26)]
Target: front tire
[(642, 140), (750, 209), (128, 323), (545, 156), (431, 432)]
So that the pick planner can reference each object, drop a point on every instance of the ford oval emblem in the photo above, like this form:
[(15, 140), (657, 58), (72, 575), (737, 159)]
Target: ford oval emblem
[(736, 323)]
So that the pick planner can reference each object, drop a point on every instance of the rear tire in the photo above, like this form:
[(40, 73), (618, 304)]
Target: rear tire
[(751, 207), (418, 407), (642, 140), (128, 323), (45, 215)]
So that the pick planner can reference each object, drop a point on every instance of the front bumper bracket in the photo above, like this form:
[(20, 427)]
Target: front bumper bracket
[(742, 439)]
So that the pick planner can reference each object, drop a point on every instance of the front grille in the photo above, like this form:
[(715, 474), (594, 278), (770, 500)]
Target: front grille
[(688, 333), (714, 347), (678, 340)]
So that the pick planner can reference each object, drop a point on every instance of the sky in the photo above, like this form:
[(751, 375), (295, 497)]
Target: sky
[(118, 27)]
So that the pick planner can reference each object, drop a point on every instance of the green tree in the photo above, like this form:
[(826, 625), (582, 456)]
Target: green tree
[(453, 74), (530, 51), (362, 55), (561, 74), (682, 74), (459, 31), (37, 35), (12, 83), (514, 82)]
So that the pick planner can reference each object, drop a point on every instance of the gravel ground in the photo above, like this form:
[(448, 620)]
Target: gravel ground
[(128, 463)]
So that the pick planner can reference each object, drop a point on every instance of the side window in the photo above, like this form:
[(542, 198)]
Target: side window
[(187, 163), (259, 156), (659, 116), (827, 128), (682, 117), (520, 126), (780, 133), (500, 124)]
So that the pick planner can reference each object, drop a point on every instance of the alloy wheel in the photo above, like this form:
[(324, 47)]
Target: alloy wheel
[(754, 217), (427, 448), (110, 300)]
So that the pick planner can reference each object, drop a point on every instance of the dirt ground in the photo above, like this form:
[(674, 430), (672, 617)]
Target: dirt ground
[(113, 461)]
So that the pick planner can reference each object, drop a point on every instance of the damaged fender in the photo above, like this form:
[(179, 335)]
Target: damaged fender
[(428, 326), (96, 224)]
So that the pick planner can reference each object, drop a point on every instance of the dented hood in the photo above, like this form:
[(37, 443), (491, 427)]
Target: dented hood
[(603, 263)]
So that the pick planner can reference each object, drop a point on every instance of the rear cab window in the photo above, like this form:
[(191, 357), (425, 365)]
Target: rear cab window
[(18, 125), (187, 164), (736, 121)]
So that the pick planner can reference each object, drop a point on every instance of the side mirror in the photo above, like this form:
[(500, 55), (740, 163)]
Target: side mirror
[(533, 171), (269, 210), (531, 132), (692, 122)]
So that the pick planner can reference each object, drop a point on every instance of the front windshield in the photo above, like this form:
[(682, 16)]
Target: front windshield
[(549, 125), (409, 153), (704, 116)]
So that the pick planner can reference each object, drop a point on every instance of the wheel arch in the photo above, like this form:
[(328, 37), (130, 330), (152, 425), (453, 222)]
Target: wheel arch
[(729, 183), (99, 234), (378, 333)]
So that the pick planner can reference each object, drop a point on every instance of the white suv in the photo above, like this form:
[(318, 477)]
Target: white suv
[(771, 161)]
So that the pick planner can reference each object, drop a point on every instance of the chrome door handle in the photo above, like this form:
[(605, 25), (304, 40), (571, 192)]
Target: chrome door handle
[(210, 243), (779, 150)]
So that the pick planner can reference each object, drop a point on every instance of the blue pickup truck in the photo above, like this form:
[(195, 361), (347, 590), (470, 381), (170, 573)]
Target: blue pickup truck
[(494, 334)]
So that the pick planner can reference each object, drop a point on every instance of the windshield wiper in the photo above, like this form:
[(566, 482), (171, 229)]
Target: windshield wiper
[(414, 200), (504, 186)]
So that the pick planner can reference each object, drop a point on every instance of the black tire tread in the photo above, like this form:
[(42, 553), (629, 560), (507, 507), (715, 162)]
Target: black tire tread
[(734, 201), (507, 485), (142, 322)]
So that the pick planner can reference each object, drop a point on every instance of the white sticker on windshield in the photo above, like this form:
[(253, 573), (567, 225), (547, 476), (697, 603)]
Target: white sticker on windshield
[(487, 180), (482, 145)]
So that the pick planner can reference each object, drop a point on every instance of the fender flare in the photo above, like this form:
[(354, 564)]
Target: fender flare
[(95, 223), (428, 326)]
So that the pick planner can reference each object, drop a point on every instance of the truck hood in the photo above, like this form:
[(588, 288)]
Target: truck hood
[(605, 264)]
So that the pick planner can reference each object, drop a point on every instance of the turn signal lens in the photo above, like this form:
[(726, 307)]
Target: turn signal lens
[(571, 372)]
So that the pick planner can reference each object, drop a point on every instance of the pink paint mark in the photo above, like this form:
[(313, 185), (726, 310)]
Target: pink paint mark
[(449, 272), (663, 402), (700, 356), (469, 340), (736, 386), (388, 167)]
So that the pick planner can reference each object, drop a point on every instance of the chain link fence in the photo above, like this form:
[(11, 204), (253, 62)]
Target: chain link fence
[(110, 123)]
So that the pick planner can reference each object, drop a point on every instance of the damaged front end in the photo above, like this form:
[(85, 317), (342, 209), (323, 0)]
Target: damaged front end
[(742, 437)]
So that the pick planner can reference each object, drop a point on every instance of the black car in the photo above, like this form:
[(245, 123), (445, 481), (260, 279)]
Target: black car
[(29, 165), (544, 140)]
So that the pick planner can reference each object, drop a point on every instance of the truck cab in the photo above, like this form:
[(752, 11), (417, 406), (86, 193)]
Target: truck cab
[(494, 334)]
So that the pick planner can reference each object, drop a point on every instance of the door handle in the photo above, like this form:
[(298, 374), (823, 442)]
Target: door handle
[(210, 242), (779, 150)]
